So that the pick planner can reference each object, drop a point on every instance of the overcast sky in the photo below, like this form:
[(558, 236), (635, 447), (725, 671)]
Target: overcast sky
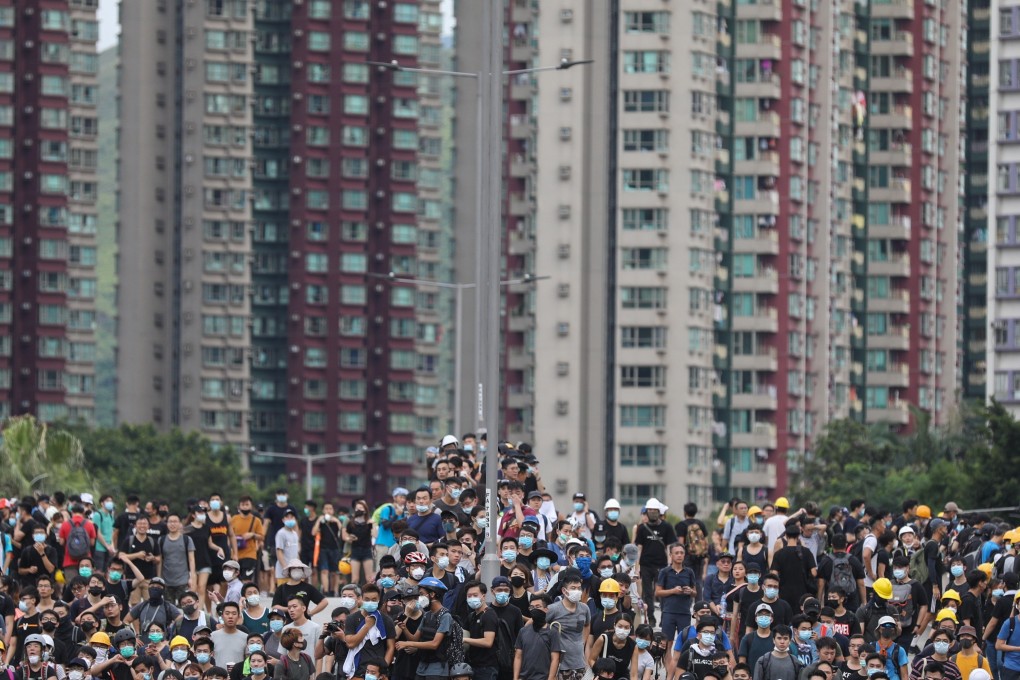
[(108, 21)]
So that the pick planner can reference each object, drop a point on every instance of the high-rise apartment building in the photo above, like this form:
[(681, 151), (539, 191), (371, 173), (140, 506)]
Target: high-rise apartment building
[(752, 221), (283, 179), (48, 192)]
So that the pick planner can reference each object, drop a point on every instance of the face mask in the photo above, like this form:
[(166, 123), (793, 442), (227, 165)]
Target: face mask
[(127, 652), (612, 515), (347, 602), (966, 643), (417, 573), (115, 576), (276, 625), (578, 507), (200, 517), (833, 603), (482, 523), (387, 582), (202, 657), (297, 574), (155, 594), (290, 523), (108, 506), (88, 626), (615, 558), (34, 659), (407, 543), (370, 607), (474, 602), (543, 563), (102, 654), (606, 572), (608, 602), (422, 508), (754, 538), (872, 671), (13, 521), (753, 579), (509, 555), (254, 647), (84, 572), (146, 676), (423, 602), (763, 621), (887, 633), (253, 600), (584, 563), (527, 541), (23, 606), (449, 526), (229, 575), (998, 592), (155, 637), (282, 498), (188, 609), (941, 647), (75, 675), (771, 593), (899, 574), (501, 598), (244, 511), (39, 538), (804, 635), (443, 562), (707, 639), (179, 655), (643, 644), (455, 493), (622, 633), (307, 511), (214, 505), (574, 596), (956, 570), (49, 626), (258, 670)]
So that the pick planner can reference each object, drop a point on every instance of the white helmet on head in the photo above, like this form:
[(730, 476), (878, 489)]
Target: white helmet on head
[(611, 504), (656, 504), (449, 439)]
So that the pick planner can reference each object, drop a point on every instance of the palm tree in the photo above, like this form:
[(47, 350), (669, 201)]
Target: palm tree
[(32, 451)]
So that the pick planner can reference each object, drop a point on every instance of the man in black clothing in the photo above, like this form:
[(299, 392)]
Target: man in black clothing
[(696, 541), (826, 567), (125, 522), (509, 615), (796, 567), (273, 521), (306, 524), (933, 558), (611, 526), (971, 612), (480, 633), (651, 538), (28, 624)]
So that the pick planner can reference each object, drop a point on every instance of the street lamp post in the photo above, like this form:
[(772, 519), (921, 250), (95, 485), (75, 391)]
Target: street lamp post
[(310, 459)]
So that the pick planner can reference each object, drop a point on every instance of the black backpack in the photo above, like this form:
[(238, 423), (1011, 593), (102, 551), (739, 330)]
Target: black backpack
[(78, 544), (451, 649)]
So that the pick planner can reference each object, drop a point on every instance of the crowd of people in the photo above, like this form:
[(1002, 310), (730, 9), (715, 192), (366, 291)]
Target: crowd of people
[(103, 588)]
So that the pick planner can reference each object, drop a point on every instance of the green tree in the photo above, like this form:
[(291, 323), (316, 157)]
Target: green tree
[(34, 455)]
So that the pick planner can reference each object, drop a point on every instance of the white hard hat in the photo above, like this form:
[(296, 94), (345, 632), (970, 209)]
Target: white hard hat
[(611, 503), (449, 439), (656, 504)]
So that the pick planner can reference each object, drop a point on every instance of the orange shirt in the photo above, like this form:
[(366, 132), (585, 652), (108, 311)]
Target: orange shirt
[(246, 550)]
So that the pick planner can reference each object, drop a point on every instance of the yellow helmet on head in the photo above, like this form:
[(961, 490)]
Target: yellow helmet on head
[(610, 585)]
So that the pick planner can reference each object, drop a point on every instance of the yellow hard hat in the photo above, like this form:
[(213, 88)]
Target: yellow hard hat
[(344, 566), (883, 588), (987, 568), (100, 638), (179, 641), (947, 614), (923, 511), (952, 595), (610, 585), (782, 502), (754, 510)]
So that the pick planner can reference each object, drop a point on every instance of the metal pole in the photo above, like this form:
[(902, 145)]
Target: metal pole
[(308, 477), (487, 301), (458, 360)]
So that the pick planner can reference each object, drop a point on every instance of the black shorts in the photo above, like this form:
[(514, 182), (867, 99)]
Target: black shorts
[(248, 566)]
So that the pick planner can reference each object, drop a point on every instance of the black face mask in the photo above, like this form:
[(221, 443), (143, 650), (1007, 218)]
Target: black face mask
[(49, 626), (537, 618), (245, 512), (188, 609), (87, 626), (966, 643), (887, 633), (155, 594), (517, 581), (96, 590)]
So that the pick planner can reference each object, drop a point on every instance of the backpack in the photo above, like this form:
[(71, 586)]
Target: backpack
[(857, 550), (697, 542), (377, 515), (505, 642), (903, 603), (78, 544), (919, 565), (842, 574), (451, 649), (766, 661)]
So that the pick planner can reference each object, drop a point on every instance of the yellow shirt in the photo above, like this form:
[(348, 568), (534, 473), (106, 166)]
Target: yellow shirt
[(968, 663)]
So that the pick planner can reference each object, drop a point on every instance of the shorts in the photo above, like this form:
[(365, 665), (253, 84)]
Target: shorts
[(204, 570), (248, 566), (361, 554), (573, 674), (329, 560)]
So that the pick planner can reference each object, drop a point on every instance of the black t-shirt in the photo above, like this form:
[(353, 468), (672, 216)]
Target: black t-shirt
[(405, 665), (157, 530), (478, 626), (619, 531), (970, 609), (362, 534), (691, 660), (370, 653), (274, 517), (23, 627), (200, 537), (30, 557), (306, 591), (653, 539), (681, 532), (25, 672), (622, 657), (793, 564), (856, 569), (845, 624), (307, 540), (330, 536), (781, 611), (931, 553), (131, 544), (847, 673), (125, 523), (1001, 611), (512, 617), (601, 622)]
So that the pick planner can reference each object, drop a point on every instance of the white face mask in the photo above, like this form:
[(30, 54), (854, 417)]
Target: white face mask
[(574, 595), (417, 573), (622, 632)]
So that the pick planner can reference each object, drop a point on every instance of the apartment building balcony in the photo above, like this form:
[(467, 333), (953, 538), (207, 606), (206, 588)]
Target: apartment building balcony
[(766, 10), (763, 397), (768, 47), (898, 191), (765, 280), (518, 396), (767, 88), (519, 432), (521, 205), (893, 9), (767, 124), (765, 319), (900, 80), (524, 11), (897, 338), (898, 302), (762, 436), (523, 86), (901, 44), (895, 375), (522, 126), (898, 229), (521, 166), (897, 414), (520, 359), (761, 475), (766, 202), (898, 118), (765, 360), (900, 155), (765, 242), (521, 320), (521, 243), (523, 49), (894, 266), (765, 163)]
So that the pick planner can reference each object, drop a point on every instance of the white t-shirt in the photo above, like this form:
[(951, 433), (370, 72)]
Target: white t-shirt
[(289, 542), (774, 528), (870, 541)]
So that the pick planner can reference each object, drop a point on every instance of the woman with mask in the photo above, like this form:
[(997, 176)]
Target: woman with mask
[(616, 645), (254, 614), (198, 530), (731, 598), (156, 645), (754, 552), (253, 646), (520, 587), (271, 640), (295, 664), (358, 532), (180, 655), (257, 666), (542, 575)]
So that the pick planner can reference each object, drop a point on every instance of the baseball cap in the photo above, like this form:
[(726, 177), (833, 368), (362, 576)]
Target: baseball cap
[(86, 498), (699, 605), (938, 523), (887, 621), (500, 581), (579, 496), (534, 494), (763, 607), (399, 491)]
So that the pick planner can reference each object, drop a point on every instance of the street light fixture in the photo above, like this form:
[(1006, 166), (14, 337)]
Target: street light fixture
[(309, 459)]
